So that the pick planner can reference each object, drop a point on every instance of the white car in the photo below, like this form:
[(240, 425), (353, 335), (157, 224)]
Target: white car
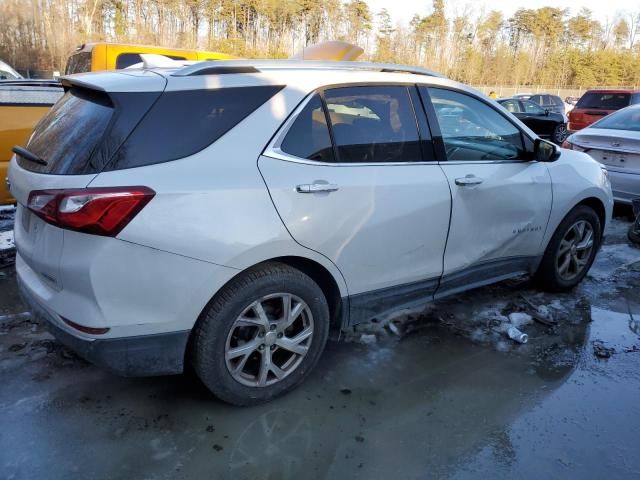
[(614, 141), (228, 214), (8, 73)]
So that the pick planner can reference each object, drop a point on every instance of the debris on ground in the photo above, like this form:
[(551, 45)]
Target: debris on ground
[(600, 350), (368, 339), (520, 319), (516, 335)]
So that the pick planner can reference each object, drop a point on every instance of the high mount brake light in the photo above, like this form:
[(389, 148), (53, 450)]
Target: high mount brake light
[(99, 211)]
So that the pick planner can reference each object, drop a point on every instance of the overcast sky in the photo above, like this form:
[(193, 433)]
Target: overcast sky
[(403, 10)]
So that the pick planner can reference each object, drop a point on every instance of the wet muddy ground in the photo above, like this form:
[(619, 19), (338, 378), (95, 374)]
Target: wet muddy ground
[(441, 394)]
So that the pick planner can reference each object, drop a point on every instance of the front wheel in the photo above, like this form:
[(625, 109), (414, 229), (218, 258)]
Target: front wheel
[(261, 335), (571, 251)]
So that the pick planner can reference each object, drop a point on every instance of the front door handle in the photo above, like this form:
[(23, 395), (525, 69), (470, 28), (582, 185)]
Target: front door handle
[(316, 187), (468, 181)]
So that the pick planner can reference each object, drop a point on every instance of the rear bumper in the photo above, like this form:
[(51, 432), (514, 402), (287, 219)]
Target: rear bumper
[(625, 186), (142, 355)]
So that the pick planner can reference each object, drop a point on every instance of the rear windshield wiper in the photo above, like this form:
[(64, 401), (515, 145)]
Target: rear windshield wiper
[(27, 155)]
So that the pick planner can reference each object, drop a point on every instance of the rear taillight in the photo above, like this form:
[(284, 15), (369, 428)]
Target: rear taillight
[(572, 146), (99, 211)]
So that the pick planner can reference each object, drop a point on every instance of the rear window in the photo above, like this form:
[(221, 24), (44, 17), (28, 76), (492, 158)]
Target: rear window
[(78, 63), (125, 60), (69, 133), (182, 123), (604, 101), (627, 119)]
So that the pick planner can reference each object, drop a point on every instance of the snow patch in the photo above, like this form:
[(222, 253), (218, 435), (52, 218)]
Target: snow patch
[(520, 319), (6, 240)]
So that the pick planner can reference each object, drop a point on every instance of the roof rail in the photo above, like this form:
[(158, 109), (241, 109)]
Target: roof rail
[(228, 66)]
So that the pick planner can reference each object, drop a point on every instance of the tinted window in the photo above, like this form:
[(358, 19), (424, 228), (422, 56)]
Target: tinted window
[(557, 101), (182, 123), (530, 107), (472, 130), (512, 105), (373, 124), (78, 63), (309, 137), (627, 119), (125, 60), (69, 133), (606, 101)]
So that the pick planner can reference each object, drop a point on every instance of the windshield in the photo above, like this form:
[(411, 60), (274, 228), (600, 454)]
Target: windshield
[(627, 119), (604, 101)]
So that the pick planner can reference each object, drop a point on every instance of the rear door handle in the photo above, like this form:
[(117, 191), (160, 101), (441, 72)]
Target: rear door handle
[(468, 181), (316, 187)]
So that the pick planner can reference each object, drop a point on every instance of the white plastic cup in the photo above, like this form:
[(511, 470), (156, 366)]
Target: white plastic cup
[(516, 335)]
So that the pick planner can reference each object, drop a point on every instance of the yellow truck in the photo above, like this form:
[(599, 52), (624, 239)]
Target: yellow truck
[(22, 104), (92, 57)]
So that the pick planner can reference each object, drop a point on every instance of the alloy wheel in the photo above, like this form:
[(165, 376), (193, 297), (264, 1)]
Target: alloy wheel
[(574, 251), (560, 133), (269, 340)]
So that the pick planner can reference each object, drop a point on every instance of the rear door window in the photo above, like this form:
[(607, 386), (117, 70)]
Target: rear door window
[(309, 136), (473, 130), (69, 133), (604, 101), (373, 124)]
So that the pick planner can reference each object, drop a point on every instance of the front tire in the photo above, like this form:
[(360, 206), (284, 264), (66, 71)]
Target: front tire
[(571, 251), (261, 335)]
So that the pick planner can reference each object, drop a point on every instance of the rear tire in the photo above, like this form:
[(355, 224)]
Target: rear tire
[(571, 251), (241, 341), (560, 133)]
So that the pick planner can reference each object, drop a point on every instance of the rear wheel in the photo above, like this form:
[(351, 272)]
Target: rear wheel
[(261, 335), (560, 133), (571, 251)]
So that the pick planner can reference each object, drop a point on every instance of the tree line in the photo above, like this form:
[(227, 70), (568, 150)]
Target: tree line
[(545, 46)]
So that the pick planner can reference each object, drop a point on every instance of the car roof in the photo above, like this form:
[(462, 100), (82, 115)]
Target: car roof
[(301, 74)]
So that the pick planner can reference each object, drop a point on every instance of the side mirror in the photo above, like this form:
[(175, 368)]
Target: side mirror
[(544, 151), (546, 112)]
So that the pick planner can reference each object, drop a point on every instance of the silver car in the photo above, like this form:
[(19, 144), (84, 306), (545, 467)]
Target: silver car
[(614, 141), (227, 215)]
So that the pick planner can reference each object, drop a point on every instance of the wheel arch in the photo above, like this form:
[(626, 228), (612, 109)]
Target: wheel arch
[(592, 202), (315, 270), (598, 206)]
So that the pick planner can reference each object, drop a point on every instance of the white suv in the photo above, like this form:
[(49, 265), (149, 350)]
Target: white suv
[(227, 214)]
